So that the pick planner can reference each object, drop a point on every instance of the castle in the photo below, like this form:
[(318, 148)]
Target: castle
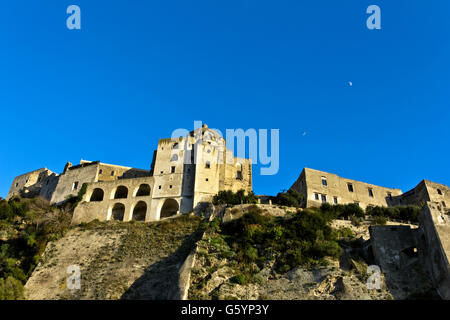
[(319, 187), (185, 174)]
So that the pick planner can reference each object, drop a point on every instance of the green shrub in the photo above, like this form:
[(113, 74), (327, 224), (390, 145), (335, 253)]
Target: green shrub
[(291, 198), (342, 210), (379, 220), (11, 289), (240, 279), (345, 233), (407, 213), (35, 223), (234, 198), (356, 221), (306, 238), (75, 200)]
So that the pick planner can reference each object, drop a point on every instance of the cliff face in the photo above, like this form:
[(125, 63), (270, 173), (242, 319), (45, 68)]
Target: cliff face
[(138, 260), (116, 260)]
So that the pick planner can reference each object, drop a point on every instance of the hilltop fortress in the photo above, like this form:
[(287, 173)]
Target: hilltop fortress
[(185, 174)]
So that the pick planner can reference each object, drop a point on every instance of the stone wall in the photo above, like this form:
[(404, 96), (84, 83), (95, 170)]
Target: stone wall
[(425, 191), (319, 186), (186, 173), (93, 206), (435, 224), (394, 247), (71, 181), (29, 184)]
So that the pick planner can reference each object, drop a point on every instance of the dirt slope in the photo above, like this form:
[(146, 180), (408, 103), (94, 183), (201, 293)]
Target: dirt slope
[(117, 260)]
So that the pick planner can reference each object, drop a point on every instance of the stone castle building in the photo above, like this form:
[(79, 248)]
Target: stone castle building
[(184, 175), (318, 187)]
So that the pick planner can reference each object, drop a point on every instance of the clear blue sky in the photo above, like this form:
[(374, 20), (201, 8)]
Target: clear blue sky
[(139, 69)]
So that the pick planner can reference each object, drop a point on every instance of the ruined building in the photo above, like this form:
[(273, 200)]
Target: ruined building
[(185, 174), (318, 187), (412, 258)]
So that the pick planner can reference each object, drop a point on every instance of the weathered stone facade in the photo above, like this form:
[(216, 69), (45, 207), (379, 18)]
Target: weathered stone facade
[(435, 243), (418, 256), (57, 188), (31, 184), (318, 187), (185, 174), (425, 191)]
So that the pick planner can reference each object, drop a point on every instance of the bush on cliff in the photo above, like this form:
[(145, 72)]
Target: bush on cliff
[(406, 213), (342, 210), (304, 239), (290, 198), (234, 198), (29, 224)]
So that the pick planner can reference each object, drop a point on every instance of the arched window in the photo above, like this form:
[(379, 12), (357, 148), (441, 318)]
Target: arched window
[(140, 211), (121, 193), (118, 212), (144, 190), (174, 158), (239, 171), (170, 208), (97, 195)]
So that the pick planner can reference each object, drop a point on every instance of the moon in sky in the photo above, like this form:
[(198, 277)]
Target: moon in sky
[(350, 83)]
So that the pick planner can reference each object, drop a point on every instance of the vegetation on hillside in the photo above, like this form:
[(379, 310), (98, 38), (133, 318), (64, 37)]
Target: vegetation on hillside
[(290, 198), (26, 226), (379, 215), (304, 238), (234, 198), (406, 213)]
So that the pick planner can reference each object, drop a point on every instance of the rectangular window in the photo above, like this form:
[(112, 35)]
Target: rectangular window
[(112, 173), (75, 185), (324, 181), (335, 200), (207, 165), (172, 170), (159, 187), (316, 196), (324, 198), (100, 171), (350, 187), (370, 192)]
